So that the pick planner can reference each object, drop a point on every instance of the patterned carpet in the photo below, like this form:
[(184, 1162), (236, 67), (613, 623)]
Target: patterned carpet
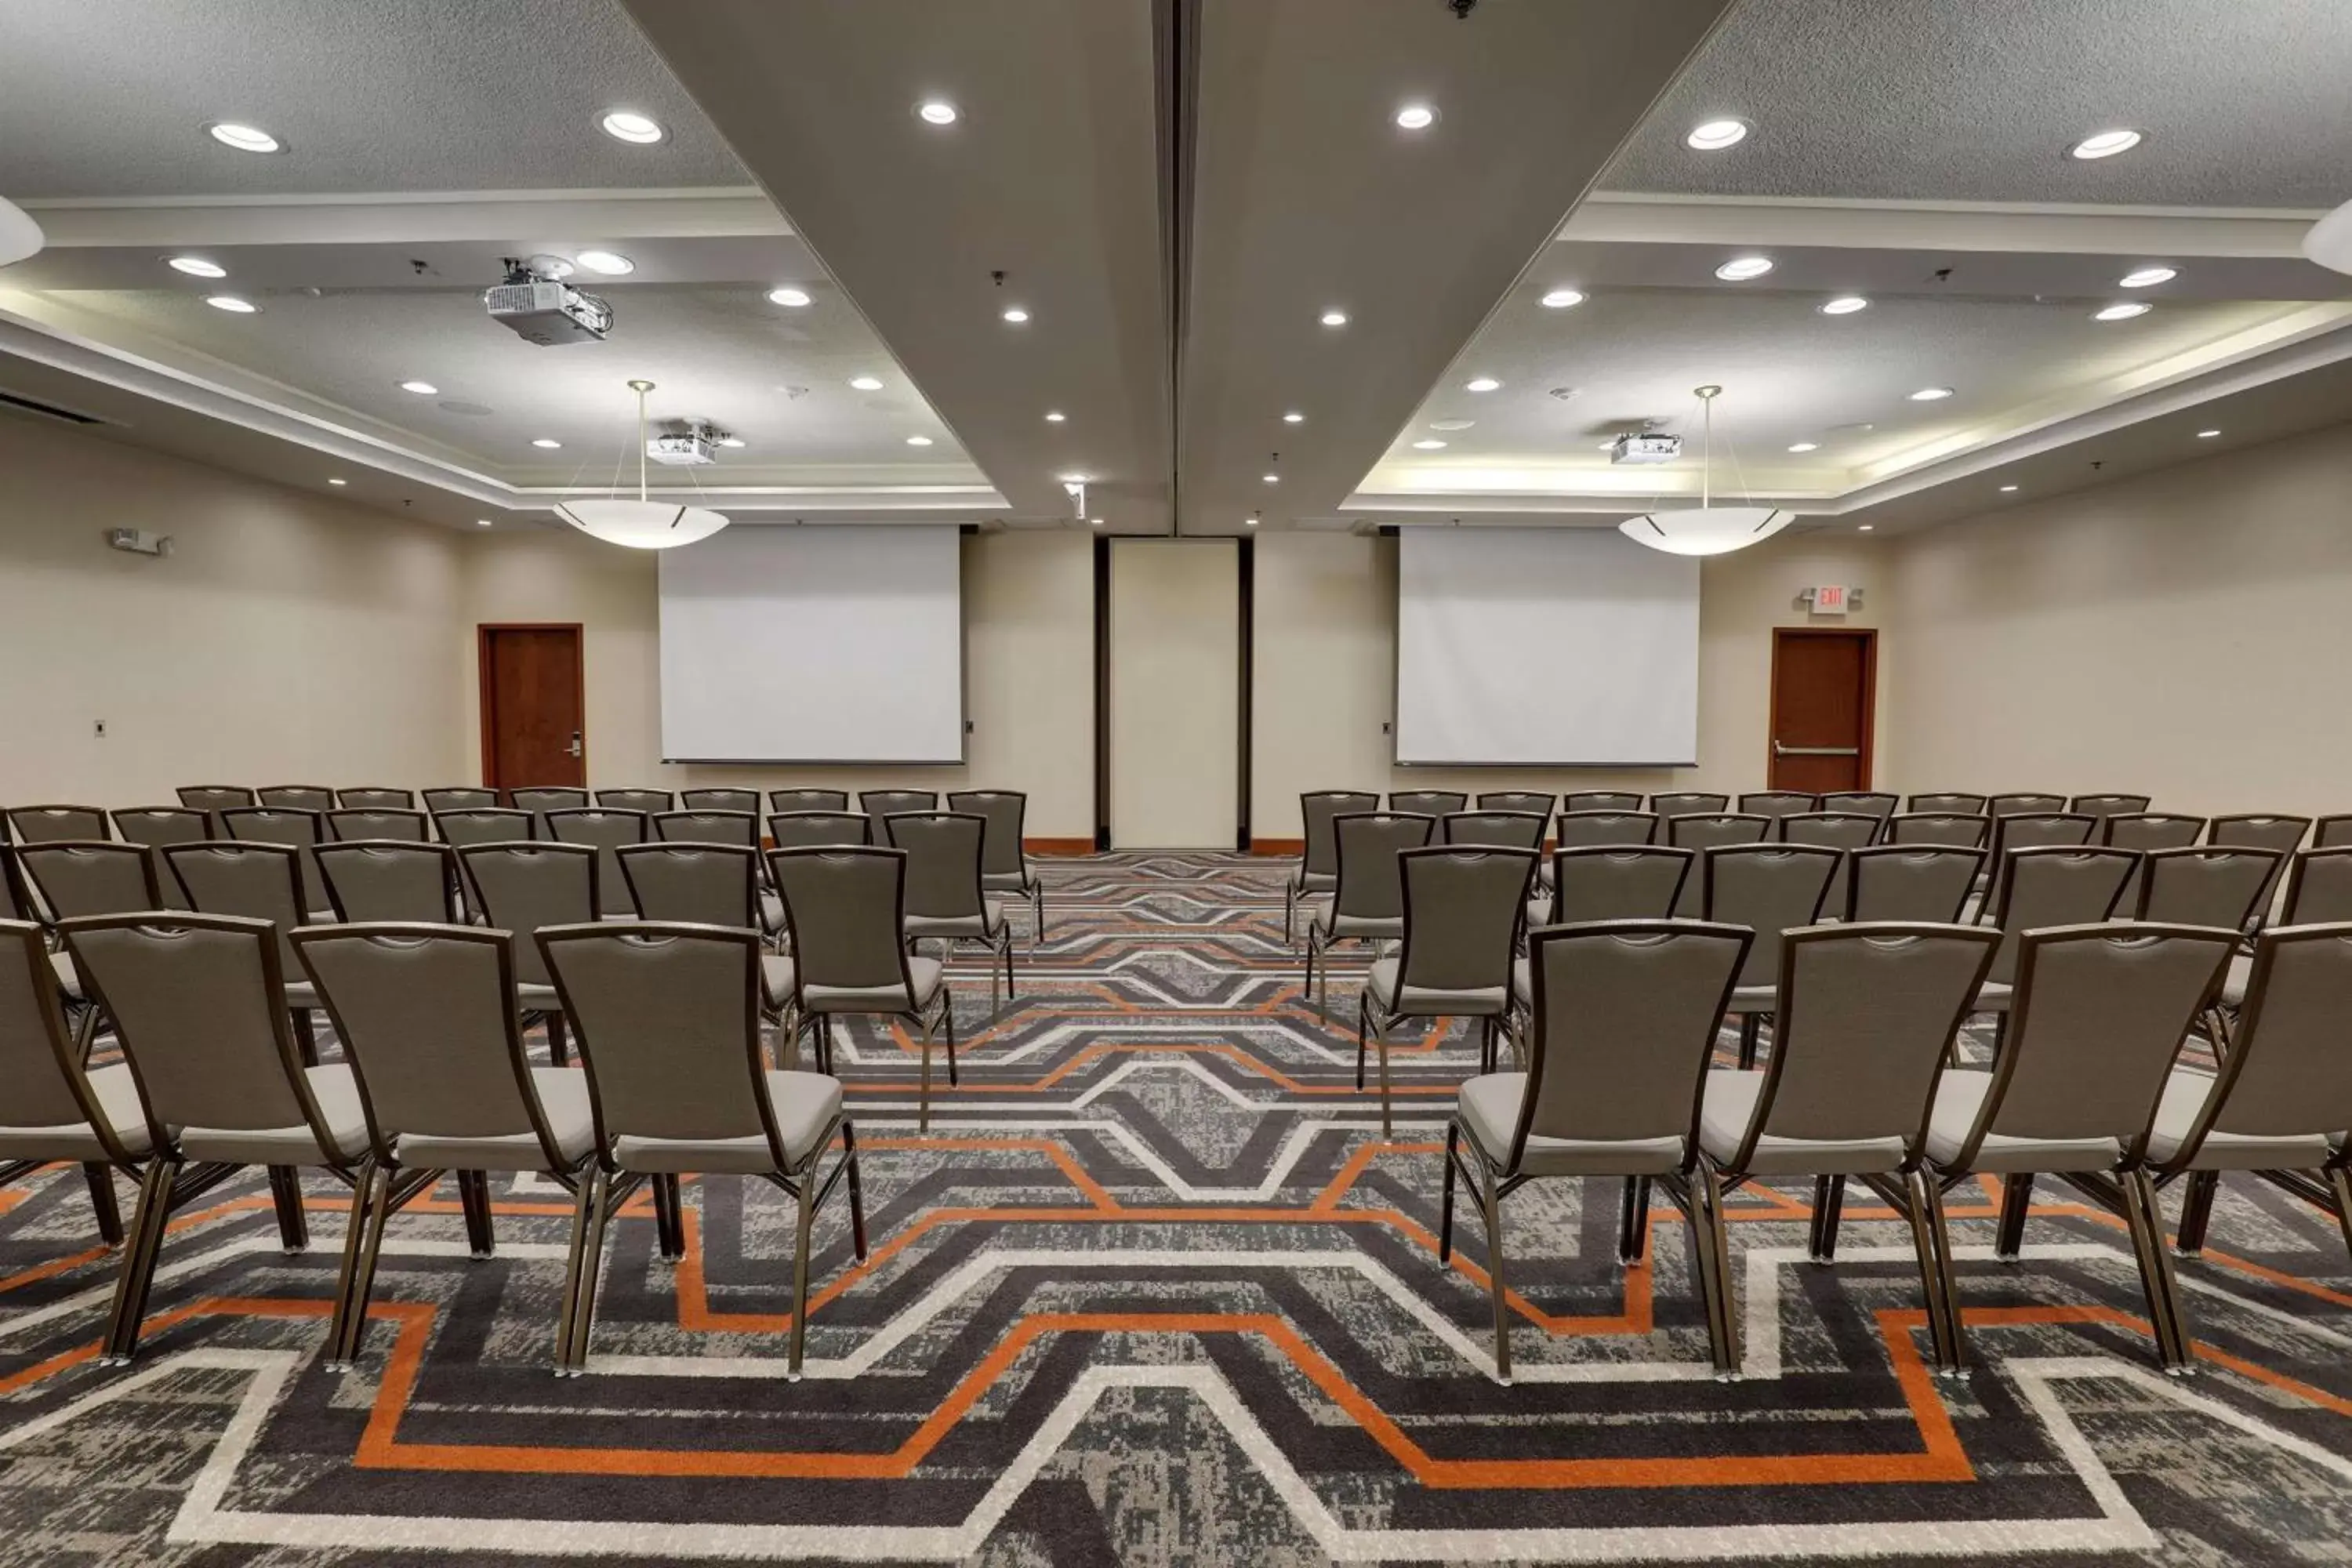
[(1155, 1290)]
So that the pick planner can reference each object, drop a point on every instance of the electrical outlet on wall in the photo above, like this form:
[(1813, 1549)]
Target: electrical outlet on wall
[(102, 729)]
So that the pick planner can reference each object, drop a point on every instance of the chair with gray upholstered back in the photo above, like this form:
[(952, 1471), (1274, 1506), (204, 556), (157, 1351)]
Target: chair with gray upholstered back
[(1945, 804), (2024, 803), (669, 1035), (260, 882), (376, 824), (540, 799), (846, 908), (1596, 828), (153, 827), (2147, 832), (70, 879), (1847, 830), (945, 898), (1687, 803), (1433, 802), (1617, 882), (1953, 830), (388, 799), (1776, 804), (808, 800), (1624, 1023), (1874, 803), (2260, 830), (521, 889), (2099, 808), (1317, 870), (57, 1108), (877, 804), (817, 829), (297, 827), (459, 797), (740, 828), (2331, 832), (1516, 800), (745, 800), (484, 824), (1368, 894), (296, 797), (647, 801), (391, 880), (1497, 829), (1868, 1017), (2047, 888), (57, 823), (706, 883), (1004, 861), (1462, 921), (214, 799), (2032, 830), (427, 1021), (2319, 887), (1769, 889), (1578, 800), (1910, 883), (197, 1004), (2099, 1016), (1702, 831), (2205, 885), (605, 828)]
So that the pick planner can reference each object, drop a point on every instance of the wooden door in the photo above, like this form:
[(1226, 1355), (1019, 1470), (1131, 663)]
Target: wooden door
[(1824, 688), (533, 702)]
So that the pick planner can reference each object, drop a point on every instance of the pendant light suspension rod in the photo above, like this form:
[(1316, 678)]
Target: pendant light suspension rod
[(642, 388), (1707, 397)]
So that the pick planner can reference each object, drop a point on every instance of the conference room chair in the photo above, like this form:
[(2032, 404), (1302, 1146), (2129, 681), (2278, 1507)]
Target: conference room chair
[(1955, 830), (2043, 889), (1368, 889), (2260, 830), (300, 828), (647, 801), (459, 797), (1317, 869), (1516, 800), (2318, 887), (444, 1085), (2032, 830), (198, 1002), (1578, 800), (705, 825), (2102, 806), (61, 1111), (1004, 861), (15, 904), (1687, 803), (743, 800), (376, 823), (2101, 1014), (524, 888), (808, 800), (2205, 885), (1462, 921), (257, 880), (1614, 882), (817, 829), (389, 799), (214, 799), (1868, 1015), (1874, 803), (1776, 804), (603, 828), (844, 907), (1499, 829), (391, 880), (100, 877), (668, 1018), (1625, 1018), (153, 828), (1436, 801), (2026, 803), (1830, 830), (1703, 831), (57, 823), (296, 797), (877, 804), (540, 799), (1769, 889), (2147, 831), (1910, 883), (484, 824), (1945, 805), (945, 898), (1597, 828), (2331, 832), (708, 882)]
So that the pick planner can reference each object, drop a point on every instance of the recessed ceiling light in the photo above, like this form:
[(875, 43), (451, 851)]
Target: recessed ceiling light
[(1335, 318), (1074, 479), (1294, 417), (2106, 144), (1095, 520), (2148, 277), (1054, 416), (2207, 435), (1015, 314), (245, 138), (1931, 394), (1863, 527), (867, 383), (1272, 478), (1741, 269), (1715, 135), (2007, 489), (232, 304), (548, 444), (730, 440), (937, 112), (1562, 299), (1804, 446), (197, 267), (1415, 117), (422, 388), (1451, 424), (481, 523), (339, 482), (610, 263), (629, 125), (1249, 523), (1845, 305), (919, 440), (1430, 444), (1481, 383), (791, 299), (2122, 312)]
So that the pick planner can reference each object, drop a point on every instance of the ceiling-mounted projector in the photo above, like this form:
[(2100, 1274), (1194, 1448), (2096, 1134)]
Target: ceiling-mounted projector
[(689, 446), (1645, 446), (546, 310)]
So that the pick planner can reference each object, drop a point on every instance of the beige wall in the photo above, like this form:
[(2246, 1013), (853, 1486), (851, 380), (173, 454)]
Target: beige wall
[(1175, 693), (1325, 670), (287, 638), (2187, 635)]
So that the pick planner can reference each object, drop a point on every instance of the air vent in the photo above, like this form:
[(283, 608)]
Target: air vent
[(45, 410)]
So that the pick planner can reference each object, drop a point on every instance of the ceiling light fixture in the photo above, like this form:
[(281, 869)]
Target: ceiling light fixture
[(1715, 135), (197, 267), (1272, 478), (642, 523), (1805, 446), (20, 236), (937, 112), (1294, 417), (1845, 305), (1075, 479), (1562, 299), (422, 388), (1481, 383), (2207, 435), (1415, 117), (1706, 528), (1250, 522), (233, 305), (2148, 277), (2328, 242), (1097, 522), (610, 263), (548, 444), (2122, 312), (244, 138), (1054, 416), (2104, 144), (867, 383), (1430, 444), (1741, 269), (339, 482), (2005, 490), (1015, 315), (1863, 527), (919, 440), (1451, 424), (1931, 394), (791, 299), (1335, 318), (629, 125), (481, 523)]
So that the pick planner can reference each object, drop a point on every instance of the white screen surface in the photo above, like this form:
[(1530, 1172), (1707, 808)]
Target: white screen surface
[(1544, 645), (813, 645)]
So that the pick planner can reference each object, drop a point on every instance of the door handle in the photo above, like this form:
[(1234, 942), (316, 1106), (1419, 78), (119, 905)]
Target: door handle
[(573, 750), (1781, 750)]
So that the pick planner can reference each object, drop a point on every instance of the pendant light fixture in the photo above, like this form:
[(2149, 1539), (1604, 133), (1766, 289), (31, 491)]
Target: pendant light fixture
[(20, 236), (1709, 529), (2330, 241), (641, 524)]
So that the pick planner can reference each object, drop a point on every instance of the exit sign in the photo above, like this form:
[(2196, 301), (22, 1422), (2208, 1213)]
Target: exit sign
[(1830, 599)]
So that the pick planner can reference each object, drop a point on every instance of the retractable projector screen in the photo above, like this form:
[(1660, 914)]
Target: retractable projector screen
[(1544, 647), (813, 645)]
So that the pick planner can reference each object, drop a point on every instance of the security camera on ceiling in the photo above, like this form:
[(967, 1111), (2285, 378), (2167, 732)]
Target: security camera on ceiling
[(537, 305)]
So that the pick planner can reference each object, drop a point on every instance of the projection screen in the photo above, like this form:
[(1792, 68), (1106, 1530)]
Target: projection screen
[(813, 645), (1542, 647)]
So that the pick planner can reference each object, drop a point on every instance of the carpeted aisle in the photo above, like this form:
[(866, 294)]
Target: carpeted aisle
[(1154, 1290)]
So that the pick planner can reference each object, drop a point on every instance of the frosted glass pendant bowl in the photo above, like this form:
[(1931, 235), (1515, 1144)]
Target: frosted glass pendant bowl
[(20, 236), (1705, 531), (2329, 243), (641, 525)]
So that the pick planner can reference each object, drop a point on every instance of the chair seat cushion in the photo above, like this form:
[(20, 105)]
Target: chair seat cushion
[(982, 927), (338, 1097), (68, 977), (776, 979), (1754, 999), (1539, 910), (1994, 996), (1960, 1095), (562, 1096), (2233, 985), (1333, 926), (1729, 1105), (1487, 1106), (1306, 881), (1019, 881), (1426, 1002), (805, 1104), (925, 972), (532, 997), (2185, 1093), (117, 1102), (771, 913)]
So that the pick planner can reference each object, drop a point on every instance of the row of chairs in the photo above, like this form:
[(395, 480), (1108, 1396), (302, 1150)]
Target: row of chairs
[(1758, 802), (552, 797)]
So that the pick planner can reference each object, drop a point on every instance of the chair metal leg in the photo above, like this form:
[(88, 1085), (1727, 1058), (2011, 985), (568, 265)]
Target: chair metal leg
[(1751, 1033), (857, 1190), (1829, 1205), (1445, 1208), (923, 1101), (1381, 1041), (1010, 995), (286, 1195), (2155, 1272), (1917, 1210), (1363, 1047), (131, 1285), (947, 1033), (474, 1197), (306, 1039), (1036, 915), (2339, 1181), (85, 1032), (669, 1226), (1714, 1248), (1633, 1221), (2016, 1197), (1289, 910), (591, 1258), (583, 1197), (801, 1271), (1490, 1200), (101, 1177), (2196, 1212), (339, 1331), (380, 1210), (1940, 1232)]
